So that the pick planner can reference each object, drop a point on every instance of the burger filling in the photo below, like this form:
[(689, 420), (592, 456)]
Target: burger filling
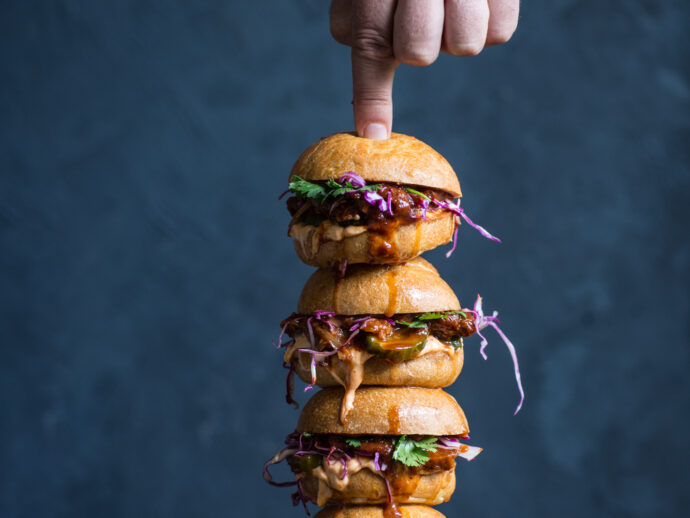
[(394, 204), (336, 209), (333, 341), (399, 460)]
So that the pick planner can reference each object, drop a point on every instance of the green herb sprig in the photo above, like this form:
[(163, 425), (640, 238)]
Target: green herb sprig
[(414, 453), (321, 192), (420, 321), (417, 193)]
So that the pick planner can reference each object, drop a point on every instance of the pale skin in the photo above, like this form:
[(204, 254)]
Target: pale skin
[(385, 33)]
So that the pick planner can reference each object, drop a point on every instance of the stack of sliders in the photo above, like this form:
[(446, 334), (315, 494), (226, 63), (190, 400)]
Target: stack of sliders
[(377, 329)]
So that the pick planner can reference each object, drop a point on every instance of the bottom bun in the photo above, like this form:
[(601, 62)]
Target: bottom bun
[(329, 244), (365, 487), (375, 511), (433, 370)]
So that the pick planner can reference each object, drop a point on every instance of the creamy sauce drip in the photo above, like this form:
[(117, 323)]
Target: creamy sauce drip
[(354, 358), (330, 475), (354, 379), (310, 237), (383, 247), (331, 480)]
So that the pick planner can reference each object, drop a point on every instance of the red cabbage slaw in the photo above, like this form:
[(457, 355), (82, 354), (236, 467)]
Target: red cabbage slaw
[(300, 444), (460, 212), (481, 321), (385, 205), (298, 496), (315, 354)]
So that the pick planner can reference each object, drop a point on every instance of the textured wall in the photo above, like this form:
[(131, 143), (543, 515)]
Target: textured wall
[(144, 265)]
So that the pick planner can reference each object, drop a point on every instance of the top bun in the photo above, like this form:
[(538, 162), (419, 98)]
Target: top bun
[(385, 411), (399, 159), (375, 511), (412, 287)]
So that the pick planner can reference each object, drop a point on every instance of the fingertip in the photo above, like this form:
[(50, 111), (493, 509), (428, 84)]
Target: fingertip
[(375, 131)]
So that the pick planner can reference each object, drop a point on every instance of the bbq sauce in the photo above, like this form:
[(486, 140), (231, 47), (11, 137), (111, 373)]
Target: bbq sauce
[(404, 484), (393, 420), (336, 294), (392, 285), (417, 237), (382, 243), (392, 511)]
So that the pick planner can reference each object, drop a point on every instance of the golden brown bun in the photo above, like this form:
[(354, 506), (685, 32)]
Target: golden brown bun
[(412, 287), (385, 411), (366, 487), (400, 159), (407, 242), (375, 511), (432, 370)]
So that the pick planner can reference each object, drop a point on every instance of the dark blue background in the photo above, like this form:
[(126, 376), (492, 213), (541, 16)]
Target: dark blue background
[(144, 265)]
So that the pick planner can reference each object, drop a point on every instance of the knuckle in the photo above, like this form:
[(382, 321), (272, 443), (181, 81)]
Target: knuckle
[(340, 34), (341, 29), (466, 49), (416, 56), (373, 100), (372, 44), (501, 34), (372, 97), (500, 37)]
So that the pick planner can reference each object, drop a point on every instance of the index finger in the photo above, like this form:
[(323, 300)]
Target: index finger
[(373, 67)]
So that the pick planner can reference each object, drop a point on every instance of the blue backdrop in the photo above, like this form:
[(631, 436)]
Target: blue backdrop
[(144, 262)]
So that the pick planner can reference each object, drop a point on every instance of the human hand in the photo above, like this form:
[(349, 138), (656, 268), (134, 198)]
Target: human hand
[(385, 33)]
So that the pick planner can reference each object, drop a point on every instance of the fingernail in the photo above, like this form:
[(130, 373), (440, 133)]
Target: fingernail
[(375, 131)]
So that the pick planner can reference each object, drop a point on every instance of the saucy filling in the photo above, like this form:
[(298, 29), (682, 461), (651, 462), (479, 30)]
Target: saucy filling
[(400, 460), (396, 339), (326, 210), (428, 458), (345, 343), (401, 205)]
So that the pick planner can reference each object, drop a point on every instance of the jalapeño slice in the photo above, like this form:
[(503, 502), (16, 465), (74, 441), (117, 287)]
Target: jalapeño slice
[(456, 342), (304, 463), (404, 344)]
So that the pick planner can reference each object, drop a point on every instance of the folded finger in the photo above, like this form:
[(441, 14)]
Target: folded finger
[(502, 21), (417, 31), (341, 21), (465, 27)]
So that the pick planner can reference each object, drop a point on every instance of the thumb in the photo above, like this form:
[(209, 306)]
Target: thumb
[(373, 67)]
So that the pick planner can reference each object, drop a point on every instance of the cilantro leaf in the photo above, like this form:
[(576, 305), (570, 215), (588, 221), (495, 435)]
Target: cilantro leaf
[(430, 316), (414, 324), (419, 321), (414, 453), (306, 189), (321, 192), (353, 442), (417, 193), (336, 189)]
